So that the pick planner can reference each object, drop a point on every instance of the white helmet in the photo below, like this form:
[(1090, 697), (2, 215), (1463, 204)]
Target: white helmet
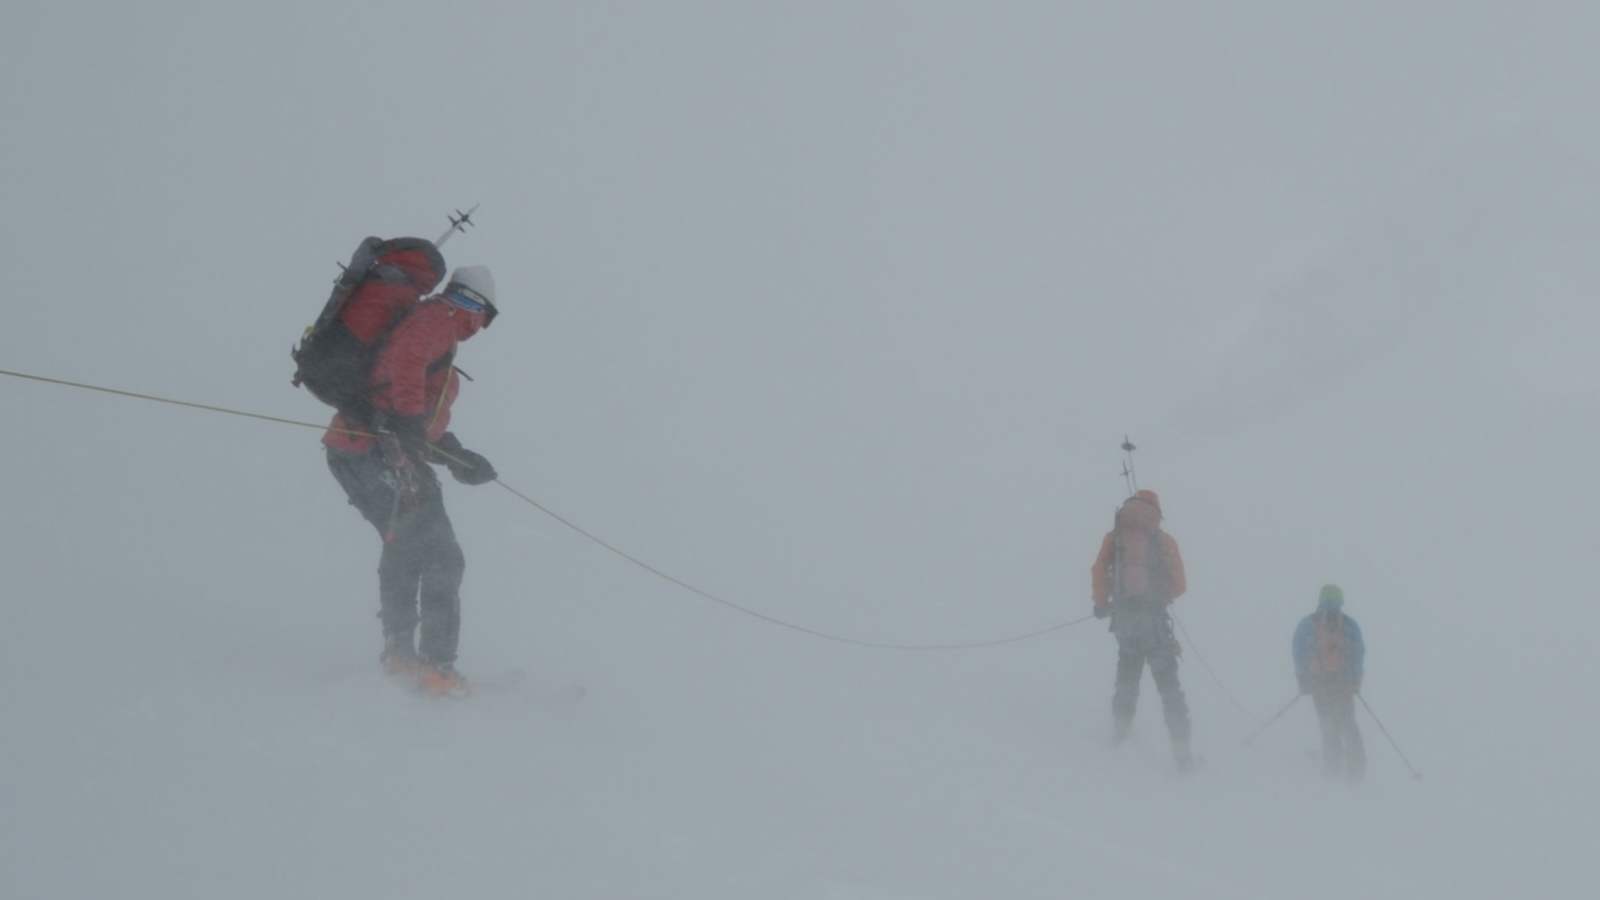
[(472, 287)]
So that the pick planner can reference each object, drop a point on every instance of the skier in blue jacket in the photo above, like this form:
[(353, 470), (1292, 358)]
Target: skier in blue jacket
[(1329, 655)]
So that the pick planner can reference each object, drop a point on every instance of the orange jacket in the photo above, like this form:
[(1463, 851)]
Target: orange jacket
[(1150, 561)]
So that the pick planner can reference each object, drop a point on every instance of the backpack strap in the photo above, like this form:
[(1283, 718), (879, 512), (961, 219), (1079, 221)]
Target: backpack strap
[(1116, 561), (1160, 578)]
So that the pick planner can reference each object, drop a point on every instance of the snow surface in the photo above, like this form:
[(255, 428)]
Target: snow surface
[(838, 310)]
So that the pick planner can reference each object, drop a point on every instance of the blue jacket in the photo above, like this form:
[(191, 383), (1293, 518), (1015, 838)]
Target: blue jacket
[(1306, 663)]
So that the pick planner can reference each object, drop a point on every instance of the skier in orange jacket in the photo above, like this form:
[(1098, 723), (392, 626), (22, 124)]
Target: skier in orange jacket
[(1137, 575)]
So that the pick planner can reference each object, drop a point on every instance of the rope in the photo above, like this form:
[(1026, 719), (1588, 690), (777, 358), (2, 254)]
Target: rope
[(208, 408), (706, 595), (1207, 666), (771, 620), (607, 545)]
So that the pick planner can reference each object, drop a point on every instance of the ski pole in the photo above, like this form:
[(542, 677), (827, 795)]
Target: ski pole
[(1416, 775), (1275, 717)]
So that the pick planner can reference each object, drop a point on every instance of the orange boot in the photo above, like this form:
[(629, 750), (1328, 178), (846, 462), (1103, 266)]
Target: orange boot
[(441, 680)]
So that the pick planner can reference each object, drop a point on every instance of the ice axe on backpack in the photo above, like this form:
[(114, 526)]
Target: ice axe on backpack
[(458, 222), (1130, 475)]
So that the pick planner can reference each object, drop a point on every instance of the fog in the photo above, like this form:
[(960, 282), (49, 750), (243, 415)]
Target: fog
[(838, 311)]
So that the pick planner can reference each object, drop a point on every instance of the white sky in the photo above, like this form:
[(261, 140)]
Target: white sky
[(839, 310)]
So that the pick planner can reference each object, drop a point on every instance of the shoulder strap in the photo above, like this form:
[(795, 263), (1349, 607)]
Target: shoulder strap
[(1116, 561)]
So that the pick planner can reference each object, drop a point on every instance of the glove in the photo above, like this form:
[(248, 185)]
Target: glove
[(465, 466), (1101, 612), (477, 471)]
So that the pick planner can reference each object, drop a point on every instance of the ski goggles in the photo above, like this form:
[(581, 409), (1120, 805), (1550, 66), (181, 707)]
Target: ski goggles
[(463, 297)]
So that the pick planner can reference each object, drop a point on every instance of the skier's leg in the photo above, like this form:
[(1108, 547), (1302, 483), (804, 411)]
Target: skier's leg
[(1174, 706), (399, 568), (1332, 731), (363, 479), (1125, 696), (441, 571), (1355, 752), (441, 600)]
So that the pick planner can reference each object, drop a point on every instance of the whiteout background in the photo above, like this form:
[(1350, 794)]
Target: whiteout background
[(839, 310)]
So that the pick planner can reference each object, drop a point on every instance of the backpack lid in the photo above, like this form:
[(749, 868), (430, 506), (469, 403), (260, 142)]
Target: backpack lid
[(417, 259), (1140, 513)]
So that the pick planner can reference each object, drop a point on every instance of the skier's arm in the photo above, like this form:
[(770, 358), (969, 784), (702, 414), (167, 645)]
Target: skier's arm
[(1358, 654), (1100, 574), (1301, 649)]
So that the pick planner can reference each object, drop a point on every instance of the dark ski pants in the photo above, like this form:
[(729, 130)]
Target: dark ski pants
[(1343, 753), (420, 569), (1149, 640)]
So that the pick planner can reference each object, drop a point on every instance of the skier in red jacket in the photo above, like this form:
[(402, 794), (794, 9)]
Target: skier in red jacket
[(383, 466)]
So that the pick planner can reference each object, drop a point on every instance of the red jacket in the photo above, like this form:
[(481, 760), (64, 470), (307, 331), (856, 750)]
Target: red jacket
[(412, 375)]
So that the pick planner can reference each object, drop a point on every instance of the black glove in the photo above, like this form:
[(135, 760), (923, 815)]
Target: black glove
[(477, 471), (465, 466), (1101, 612)]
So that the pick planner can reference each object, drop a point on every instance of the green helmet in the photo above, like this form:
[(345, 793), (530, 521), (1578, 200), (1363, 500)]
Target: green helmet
[(1330, 598)]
